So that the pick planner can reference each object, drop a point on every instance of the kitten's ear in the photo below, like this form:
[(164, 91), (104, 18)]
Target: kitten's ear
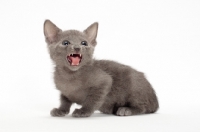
[(91, 32), (51, 31)]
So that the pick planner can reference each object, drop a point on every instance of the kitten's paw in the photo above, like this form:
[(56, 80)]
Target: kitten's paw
[(81, 113), (124, 111), (59, 113)]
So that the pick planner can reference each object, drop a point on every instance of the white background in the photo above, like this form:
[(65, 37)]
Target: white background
[(159, 37)]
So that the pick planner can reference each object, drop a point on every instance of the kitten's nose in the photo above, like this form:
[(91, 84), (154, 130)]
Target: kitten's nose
[(77, 49)]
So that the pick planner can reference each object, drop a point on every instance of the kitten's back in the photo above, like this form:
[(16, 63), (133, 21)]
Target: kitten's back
[(128, 85)]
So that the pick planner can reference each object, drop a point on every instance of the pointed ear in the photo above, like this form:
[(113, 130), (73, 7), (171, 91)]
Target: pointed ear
[(91, 32), (51, 31)]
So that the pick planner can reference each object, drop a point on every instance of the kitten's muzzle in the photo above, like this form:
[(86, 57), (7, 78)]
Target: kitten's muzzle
[(74, 59)]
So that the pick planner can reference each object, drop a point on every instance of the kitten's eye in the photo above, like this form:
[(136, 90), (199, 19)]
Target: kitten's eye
[(84, 43), (65, 42)]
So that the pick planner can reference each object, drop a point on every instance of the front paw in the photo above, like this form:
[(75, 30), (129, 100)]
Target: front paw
[(81, 113), (57, 112)]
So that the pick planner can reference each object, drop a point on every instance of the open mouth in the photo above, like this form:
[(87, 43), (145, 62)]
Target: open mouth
[(74, 59)]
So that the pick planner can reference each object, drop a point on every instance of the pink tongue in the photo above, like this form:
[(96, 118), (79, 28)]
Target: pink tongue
[(75, 61)]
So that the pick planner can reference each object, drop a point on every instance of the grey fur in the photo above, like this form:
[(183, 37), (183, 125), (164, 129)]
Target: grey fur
[(103, 85)]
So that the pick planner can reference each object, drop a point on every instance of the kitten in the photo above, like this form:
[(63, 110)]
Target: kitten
[(107, 86)]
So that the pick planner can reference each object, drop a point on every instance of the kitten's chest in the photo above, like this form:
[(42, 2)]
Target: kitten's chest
[(72, 89)]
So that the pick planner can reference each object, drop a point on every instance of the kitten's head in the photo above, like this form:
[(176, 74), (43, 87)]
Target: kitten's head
[(71, 48)]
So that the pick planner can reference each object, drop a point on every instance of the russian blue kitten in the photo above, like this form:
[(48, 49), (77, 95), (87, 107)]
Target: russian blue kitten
[(103, 85)]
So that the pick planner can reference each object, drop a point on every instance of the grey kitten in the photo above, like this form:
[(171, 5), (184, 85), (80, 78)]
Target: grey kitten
[(107, 86)]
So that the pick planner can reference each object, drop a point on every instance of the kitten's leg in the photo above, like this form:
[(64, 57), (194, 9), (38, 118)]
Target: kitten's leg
[(64, 107), (107, 108), (93, 102)]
